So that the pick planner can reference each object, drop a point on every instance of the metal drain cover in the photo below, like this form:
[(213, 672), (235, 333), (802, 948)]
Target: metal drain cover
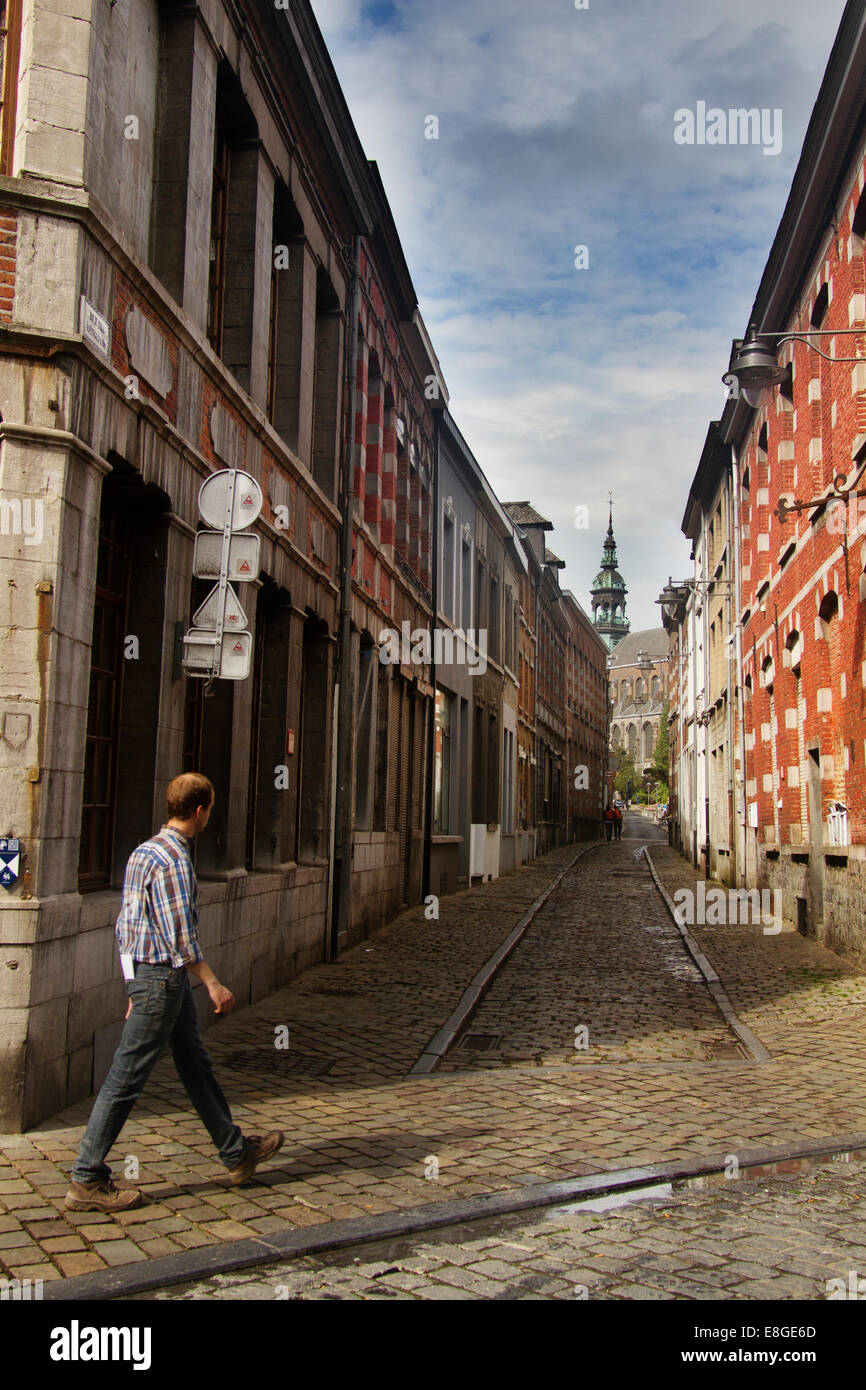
[(480, 1042), (255, 1059), (724, 1052)]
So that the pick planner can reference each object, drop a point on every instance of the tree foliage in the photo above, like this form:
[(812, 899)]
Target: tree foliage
[(661, 753)]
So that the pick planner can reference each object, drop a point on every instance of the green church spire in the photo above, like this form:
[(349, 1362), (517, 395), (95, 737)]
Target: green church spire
[(609, 591)]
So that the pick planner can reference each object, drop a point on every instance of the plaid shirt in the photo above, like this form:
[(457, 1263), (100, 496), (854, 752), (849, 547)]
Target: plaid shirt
[(158, 921)]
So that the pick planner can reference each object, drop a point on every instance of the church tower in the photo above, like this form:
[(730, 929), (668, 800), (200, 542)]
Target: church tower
[(608, 593)]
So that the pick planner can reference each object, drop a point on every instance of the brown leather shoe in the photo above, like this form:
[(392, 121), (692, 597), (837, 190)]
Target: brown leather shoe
[(256, 1151), (102, 1195)]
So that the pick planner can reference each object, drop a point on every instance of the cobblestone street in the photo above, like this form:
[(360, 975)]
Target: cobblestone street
[(768, 1238), (661, 1078)]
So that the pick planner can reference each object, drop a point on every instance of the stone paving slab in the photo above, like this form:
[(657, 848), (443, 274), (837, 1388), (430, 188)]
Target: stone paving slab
[(364, 1137)]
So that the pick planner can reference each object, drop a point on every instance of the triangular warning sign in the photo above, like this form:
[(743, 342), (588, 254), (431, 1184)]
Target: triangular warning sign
[(247, 501), (238, 647), (233, 615), (244, 568)]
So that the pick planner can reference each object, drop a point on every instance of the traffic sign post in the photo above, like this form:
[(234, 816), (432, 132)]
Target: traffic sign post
[(219, 645)]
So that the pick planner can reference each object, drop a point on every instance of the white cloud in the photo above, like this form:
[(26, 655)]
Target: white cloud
[(556, 128)]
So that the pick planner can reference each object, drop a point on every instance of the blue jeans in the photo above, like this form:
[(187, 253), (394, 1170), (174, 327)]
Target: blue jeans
[(163, 1013)]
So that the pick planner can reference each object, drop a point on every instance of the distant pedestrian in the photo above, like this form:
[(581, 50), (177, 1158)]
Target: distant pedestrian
[(617, 823), (157, 933), (609, 821)]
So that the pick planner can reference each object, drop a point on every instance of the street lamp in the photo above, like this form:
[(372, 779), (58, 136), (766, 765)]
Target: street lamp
[(755, 367), (673, 596)]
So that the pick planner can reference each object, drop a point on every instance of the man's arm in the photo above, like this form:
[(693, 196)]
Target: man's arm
[(223, 999), (174, 904)]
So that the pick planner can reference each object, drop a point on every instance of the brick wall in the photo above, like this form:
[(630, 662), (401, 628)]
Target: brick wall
[(8, 239)]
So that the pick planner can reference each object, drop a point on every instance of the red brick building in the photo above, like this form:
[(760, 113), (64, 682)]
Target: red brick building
[(801, 693)]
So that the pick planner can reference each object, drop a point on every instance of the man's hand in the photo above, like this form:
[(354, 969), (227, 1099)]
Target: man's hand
[(128, 1011), (223, 998)]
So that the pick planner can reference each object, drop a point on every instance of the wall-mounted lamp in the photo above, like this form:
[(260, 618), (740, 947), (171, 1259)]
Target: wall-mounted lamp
[(755, 366)]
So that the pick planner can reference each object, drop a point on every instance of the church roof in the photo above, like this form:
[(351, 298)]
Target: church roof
[(652, 640)]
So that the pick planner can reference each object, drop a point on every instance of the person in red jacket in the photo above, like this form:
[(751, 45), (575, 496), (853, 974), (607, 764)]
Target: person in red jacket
[(609, 821), (617, 823)]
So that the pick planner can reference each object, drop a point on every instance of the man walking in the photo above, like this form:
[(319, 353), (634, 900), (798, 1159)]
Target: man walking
[(617, 823), (157, 933)]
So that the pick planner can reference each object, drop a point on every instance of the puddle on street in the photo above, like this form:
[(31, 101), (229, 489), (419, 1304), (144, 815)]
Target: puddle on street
[(614, 1200)]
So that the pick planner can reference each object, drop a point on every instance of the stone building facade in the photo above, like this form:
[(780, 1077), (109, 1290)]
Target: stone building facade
[(587, 721), (176, 242), (200, 271), (638, 678)]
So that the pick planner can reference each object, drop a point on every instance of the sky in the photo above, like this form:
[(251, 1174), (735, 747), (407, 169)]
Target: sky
[(571, 373)]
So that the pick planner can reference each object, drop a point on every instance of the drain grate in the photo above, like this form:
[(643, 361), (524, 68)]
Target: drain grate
[(724, 1052), (254, 1059), (480, 1042)]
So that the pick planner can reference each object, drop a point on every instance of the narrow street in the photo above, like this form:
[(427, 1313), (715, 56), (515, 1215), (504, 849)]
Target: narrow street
[(604, 956), (657, 1078)]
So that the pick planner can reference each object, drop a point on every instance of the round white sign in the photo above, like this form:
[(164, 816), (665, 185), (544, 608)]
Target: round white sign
[(213, 500)]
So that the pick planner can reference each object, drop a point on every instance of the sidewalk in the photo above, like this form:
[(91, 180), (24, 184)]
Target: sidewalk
[(362, 1137)]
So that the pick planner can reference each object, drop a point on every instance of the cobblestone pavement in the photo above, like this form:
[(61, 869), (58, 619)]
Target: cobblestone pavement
[(642, 998), (659, 1080), (768, 1238)]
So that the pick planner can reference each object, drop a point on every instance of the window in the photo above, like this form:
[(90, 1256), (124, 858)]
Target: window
[(218, 228), (365, 734), (268, 805), (508, 782), (315, 723), (447, 585), (123, 715), (442, 764), (233, 227), (822, 304), (327, 377), (493, 619), (106, 679), (10, 46), (466, 582)]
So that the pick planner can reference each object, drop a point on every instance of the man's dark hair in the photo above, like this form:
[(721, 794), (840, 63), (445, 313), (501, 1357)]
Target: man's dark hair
[(184, 795)]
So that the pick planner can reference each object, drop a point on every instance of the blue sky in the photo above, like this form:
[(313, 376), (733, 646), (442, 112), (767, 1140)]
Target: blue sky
[(556, 129)]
